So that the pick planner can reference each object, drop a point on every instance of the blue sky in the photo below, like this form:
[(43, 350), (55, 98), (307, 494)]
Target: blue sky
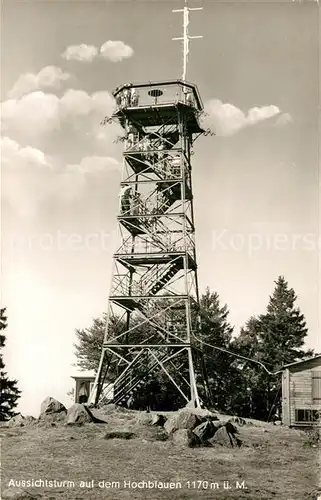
[(256, 183)]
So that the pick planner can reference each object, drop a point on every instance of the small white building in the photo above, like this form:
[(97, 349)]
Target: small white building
[(85, 384), (301, 392)]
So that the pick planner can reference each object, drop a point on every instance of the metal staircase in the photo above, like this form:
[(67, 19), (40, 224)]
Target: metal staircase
[(164, 279)]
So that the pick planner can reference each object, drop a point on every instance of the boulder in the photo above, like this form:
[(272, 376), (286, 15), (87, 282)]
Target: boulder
[(93, 418), (29, 420), (202, 412), (52, 419), (225, 437), (19, 494), (119, 435), (77, 414), (144, 418), (21, 421), (16, 421), (109, 408), (183, 419), (158, 420), (155, 433), (185, 437), (51, 405), (205, 431)]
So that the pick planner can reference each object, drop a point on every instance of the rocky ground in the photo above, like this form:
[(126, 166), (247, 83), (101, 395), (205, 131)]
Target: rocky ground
[(118, 454)]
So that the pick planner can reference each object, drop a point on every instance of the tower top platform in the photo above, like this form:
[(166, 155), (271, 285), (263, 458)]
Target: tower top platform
[(152, 103), (171, 90)]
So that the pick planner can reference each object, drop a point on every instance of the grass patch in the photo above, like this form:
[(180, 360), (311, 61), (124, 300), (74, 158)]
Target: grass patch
[(273, 464)]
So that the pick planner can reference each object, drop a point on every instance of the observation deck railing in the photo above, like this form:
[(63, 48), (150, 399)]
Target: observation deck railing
[(157, 94)]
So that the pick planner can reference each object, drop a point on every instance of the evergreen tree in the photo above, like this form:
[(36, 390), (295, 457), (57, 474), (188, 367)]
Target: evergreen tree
[(216, 330), (9, 393), (89, 342), (275, 338)]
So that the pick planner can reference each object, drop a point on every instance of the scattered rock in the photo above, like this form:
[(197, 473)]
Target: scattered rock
[(205, 431), (202, 412), (77, 414), (224, 437), (16, 421), (119, 435), (51, 405), (19, 494), (185, 437), (29, 420), (183, 419), (21, 421), (112, 408), (144, 419), (155, 434), (52, 419), (159, 420)]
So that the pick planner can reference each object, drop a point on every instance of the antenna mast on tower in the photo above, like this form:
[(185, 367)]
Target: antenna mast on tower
[(186, 37)]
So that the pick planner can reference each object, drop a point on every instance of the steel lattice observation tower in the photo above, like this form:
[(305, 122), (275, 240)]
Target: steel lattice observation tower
[(153, 307)]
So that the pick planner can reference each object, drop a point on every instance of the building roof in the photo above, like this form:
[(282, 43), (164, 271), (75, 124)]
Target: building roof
[(296, 363), (84, 374)]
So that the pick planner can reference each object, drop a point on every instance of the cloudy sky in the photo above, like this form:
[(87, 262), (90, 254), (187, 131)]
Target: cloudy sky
[(256, 182)]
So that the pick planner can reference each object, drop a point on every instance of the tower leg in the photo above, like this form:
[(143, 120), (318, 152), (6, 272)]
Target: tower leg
[(194, 393), (94, 395)]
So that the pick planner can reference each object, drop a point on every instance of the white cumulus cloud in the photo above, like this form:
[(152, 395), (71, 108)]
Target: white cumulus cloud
[(78, 102), (38, 113), (49, 77), (33, 113), (226, 119), (82, 52), (14, 155), (115, 51), (95, 164), (24, 171), (30, 178)]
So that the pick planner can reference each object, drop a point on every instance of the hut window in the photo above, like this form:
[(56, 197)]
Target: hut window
[(316, 387), (306, 415)]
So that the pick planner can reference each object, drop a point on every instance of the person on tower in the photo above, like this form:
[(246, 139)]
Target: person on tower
[(137, 204), (125, 98), (146, 146), (134, 97), (125, 199), (176, 165), (160, 151), (131, 136)]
